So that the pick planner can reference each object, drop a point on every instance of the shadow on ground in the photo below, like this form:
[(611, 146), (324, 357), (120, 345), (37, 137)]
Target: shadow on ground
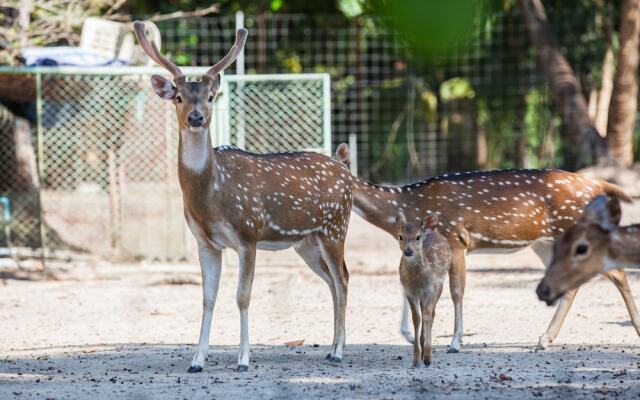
[(142, 371)]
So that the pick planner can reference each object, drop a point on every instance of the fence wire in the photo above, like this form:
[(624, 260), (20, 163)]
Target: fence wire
[(106, 181), (485, 104)]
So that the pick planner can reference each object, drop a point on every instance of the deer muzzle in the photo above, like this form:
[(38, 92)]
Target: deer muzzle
[(195, 119)]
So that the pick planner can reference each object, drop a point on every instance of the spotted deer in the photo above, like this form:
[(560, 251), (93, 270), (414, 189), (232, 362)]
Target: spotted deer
[(491, 211), (426, 259), (594, 245), (244, 201)]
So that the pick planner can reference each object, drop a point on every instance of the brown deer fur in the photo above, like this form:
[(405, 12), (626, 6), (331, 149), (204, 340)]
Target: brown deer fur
[(502, 210), (426, 259), (244, 201), (595, 244)]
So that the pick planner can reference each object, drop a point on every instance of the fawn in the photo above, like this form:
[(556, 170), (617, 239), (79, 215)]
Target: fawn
[(426, 259)]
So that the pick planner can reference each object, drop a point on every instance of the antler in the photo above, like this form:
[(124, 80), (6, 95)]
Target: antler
[(150, 48), (241, 38)]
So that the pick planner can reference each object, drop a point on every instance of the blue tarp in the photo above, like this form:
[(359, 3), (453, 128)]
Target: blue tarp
[(72, 56)]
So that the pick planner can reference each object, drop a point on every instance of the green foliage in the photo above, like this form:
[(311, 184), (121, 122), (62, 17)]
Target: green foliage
[(431, 27), (455, 89)]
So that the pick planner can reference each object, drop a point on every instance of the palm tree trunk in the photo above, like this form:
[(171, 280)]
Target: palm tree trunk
[(588, 147), (624, 100)]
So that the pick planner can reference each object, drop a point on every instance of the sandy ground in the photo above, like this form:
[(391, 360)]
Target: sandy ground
[(128, 331)]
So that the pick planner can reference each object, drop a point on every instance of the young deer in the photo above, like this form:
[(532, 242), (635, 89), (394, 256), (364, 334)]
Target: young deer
[(492, 211), (243, 201), (595, 244), (426, 259)]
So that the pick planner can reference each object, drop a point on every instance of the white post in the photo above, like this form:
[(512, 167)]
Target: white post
[(240, 59), (326, 113), (240, 87), (353, 154)]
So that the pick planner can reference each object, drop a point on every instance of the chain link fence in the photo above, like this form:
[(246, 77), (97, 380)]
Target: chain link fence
[(485, 104), (106, 148)]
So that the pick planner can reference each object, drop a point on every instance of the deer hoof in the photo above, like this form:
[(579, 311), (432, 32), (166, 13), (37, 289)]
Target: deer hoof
[(193, 369), (453, 350), (242, 368), (427, 363), (543, 343), (333, 359)]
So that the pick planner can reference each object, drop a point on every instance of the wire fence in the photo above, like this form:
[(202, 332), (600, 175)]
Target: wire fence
[(105, 167), (106, 176), (485, 104)]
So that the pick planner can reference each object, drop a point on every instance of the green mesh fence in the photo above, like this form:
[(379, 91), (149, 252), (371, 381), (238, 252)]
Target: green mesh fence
[(107, 156)]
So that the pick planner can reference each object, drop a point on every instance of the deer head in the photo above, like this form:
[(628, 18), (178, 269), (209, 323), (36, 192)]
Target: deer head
[(193, 100), (581, 252), (410, 235)]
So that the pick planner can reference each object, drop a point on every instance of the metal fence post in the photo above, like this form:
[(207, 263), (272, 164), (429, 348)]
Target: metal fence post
[(326, 113), (353, 153), (40, 143)]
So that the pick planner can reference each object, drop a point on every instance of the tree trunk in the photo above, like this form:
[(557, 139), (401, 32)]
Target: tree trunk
[(588, 147), (604, 94), (624, 100)]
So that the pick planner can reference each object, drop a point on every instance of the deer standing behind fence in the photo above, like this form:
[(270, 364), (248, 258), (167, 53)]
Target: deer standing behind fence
[(594, 245), (500, 211), (244, 201)]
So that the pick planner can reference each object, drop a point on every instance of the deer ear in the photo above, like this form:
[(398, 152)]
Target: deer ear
[(163, 87), (214, 82), (401, 221), (430, 222), (603, 211), (343, 153)]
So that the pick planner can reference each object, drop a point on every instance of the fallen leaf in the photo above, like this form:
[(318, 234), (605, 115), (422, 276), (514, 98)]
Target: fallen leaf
[(158, 312)]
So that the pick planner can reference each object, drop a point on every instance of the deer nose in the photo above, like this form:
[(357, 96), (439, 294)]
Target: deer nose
[(408, 252), (195, 118), (543, 291)]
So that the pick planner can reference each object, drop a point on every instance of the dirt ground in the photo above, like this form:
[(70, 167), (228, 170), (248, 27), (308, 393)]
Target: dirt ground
[(128, 331)]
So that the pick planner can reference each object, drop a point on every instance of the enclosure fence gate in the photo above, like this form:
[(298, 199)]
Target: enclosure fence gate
[(107, 152)]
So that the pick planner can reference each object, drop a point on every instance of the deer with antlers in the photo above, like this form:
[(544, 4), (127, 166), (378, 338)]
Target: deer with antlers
[(491, 211), (244, 201), (595, 244)]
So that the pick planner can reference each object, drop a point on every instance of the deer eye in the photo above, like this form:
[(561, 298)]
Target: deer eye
[(178, 99), (581, 249), (400, 237), (418, 238), (211, 99)]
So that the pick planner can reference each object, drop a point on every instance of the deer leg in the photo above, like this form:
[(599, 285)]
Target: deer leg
[(404, 324), (457, 281), (311, 254), (211, 266), (414, 304), (247, 255), (332, 253), (558, 318), (619, 278), (428, 315)]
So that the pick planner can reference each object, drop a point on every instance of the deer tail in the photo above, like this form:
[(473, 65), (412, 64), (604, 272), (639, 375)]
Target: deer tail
[(615, 191)]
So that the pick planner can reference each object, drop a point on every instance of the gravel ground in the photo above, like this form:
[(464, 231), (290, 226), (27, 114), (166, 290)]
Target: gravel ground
[(128, 331)]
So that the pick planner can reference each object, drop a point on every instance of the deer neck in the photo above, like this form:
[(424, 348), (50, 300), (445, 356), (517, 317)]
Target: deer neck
[(195, 163), (379, 205)]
